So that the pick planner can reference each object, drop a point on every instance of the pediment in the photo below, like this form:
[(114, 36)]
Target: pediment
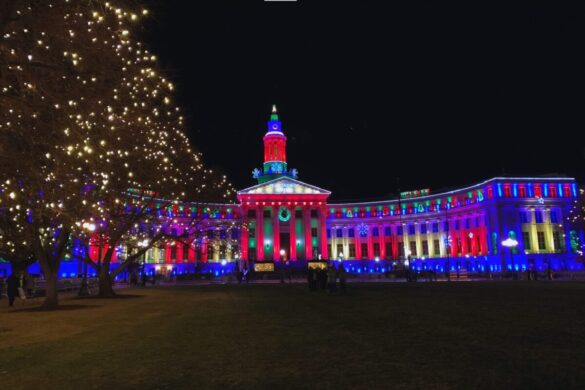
[(284, 186)]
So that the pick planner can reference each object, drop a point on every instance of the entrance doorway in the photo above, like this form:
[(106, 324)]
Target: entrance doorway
[(285, 244)]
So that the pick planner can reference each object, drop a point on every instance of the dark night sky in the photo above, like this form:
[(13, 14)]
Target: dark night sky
[(438, 95)]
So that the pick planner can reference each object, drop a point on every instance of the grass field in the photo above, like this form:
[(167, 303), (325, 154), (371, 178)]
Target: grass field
[(395, 335)]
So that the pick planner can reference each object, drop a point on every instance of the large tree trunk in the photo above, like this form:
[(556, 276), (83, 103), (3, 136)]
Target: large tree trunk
[(52, 294), (105, 283)]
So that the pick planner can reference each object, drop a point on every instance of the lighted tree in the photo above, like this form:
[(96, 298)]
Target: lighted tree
[(84, 117)]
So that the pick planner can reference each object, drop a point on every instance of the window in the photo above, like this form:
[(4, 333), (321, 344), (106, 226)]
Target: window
[(477, 221), (436, 248), (467, 223), (313, 213), (401, 249), (352, 251), (399, 230), (298, 214), (314, 232), (388, 250), (423, 228), (557, 241), (351, 233), (457, 225), (435, 227), (364, 250), (413, 248), (375, 232), (554, 217), (186, 253), (387, 231), (541, 243), (329, 249), (173, 252), (376, 249), (523, 217), (410, 229), (526, 240), (251, 213), (251, 254), (339, 233), (252, 233), (339, 250), (329, 234), (425, 247), (446, 226), (538, 216), (266, 214)]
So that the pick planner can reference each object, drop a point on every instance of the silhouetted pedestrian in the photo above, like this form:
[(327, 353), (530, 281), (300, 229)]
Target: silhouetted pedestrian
[(342, 276), (322, 278), (12, 285), (331, 279)]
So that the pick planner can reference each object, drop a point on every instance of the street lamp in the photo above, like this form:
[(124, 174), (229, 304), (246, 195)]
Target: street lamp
[(282, 265), (511, 244), (143, 244), (84, 288)]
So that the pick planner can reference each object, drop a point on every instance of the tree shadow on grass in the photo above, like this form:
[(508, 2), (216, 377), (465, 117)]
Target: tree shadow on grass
[(117, 296), (39, 309)]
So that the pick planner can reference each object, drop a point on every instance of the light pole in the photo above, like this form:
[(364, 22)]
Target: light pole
[(143, 244), (84, 288), (282, 265), (511, 244)]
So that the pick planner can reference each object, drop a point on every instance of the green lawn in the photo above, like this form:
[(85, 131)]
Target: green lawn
[(394, 335)]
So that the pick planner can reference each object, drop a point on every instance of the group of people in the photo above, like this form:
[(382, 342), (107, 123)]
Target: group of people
[(143, 279), (11, 284), (327, 279)]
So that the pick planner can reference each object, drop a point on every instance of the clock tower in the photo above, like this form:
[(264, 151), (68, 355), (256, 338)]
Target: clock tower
[(275, 164)]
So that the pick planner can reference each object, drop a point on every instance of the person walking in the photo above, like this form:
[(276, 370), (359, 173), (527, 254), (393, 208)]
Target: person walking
[(342, 276), (2, 282), (12, 284), (331, 276)]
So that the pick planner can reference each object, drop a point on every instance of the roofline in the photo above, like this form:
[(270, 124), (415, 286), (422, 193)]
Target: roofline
[(281, 178), (456, 190)]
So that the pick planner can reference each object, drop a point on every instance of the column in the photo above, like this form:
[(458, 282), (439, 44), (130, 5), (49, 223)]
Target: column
[(358, 246), (204, 253), (293, 234), (323, 232), (276, 233), (395, 254), (370, 242), (244, 234), (191, 253), (381, 241), (308, 238), (260, 233), (168, 254), (180, 250)]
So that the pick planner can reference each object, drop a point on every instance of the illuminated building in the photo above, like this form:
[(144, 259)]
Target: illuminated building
[(459, 229)]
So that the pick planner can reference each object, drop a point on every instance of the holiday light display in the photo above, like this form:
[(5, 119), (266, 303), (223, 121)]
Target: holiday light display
[(85, 115)]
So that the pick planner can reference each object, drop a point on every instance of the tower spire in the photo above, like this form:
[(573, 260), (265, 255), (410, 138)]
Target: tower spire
[(274, 115)]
